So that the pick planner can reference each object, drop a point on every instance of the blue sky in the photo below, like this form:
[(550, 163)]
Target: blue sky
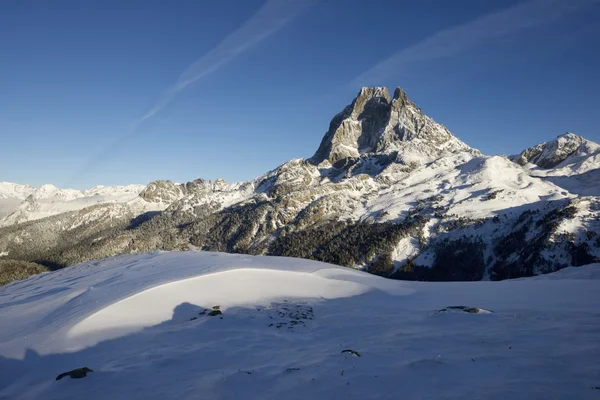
[(121, 92)]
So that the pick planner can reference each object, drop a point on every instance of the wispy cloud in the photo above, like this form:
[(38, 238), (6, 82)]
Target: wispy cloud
[(448, 42), (268, 19)]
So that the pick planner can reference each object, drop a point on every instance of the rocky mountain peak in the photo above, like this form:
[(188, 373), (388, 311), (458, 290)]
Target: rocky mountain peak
[(162, 191), (570, 136), (552, 153), (400, 99), (29, 204), (46, 190), (376, 123), (369, 97), (197, 185)]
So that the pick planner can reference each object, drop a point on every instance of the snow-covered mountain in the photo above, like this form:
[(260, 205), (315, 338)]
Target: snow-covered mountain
[(198, 325), (11, 195), (21, 203), (375, 124), (14, 190), (566, 150), (569, 161), (388, 190)]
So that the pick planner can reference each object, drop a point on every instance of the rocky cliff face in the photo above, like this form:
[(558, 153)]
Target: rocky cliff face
[(389, 191), (162, 192), (374, 123)]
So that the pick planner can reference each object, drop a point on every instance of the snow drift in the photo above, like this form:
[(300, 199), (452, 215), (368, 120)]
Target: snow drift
[(140, 322)]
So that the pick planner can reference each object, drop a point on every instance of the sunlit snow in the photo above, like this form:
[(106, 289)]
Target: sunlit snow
[(140, 323)]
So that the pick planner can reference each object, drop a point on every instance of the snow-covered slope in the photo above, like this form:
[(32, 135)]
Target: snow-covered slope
[(20, 203), (141, 323), (11, 195), (462, 185), (14, 190), (569, 161)]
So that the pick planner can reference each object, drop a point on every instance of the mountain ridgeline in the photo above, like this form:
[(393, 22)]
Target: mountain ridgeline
[(388, 190)]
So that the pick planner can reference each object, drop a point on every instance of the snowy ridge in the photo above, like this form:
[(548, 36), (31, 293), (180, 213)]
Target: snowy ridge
[(21, 203), (565, 150), (14, 190), (187, 197), (140, 322), (569, 161)]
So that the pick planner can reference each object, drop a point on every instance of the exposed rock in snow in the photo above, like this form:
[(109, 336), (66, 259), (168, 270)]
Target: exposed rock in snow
[(561, 150), (570, 161), (162, 192), (373, 123)]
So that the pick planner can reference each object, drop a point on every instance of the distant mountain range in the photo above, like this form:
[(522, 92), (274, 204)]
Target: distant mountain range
[(388, 190), (20, 203)]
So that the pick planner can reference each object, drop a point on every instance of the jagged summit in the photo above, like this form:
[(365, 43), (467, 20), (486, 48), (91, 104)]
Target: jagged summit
[(376, 123), (552, 153)]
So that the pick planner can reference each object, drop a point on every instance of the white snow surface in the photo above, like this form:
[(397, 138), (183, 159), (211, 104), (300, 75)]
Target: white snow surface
[(462, 183), (20, 203), (578, 170), (15, 190), (137, 322)]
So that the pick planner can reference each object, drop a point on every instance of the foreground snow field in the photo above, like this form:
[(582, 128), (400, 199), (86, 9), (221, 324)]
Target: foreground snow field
[(141, 323)]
